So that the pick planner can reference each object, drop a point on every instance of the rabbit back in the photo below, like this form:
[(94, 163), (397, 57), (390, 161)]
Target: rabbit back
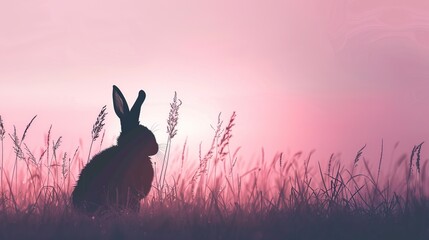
[(116, 177)]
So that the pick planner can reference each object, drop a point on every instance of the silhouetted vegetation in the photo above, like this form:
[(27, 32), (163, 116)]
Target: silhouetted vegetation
[(220, 195)]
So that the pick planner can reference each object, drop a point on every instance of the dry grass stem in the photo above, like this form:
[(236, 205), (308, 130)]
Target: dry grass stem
[(2, 130), (96, 128), (2, 133), (173, 116), (172, 121)]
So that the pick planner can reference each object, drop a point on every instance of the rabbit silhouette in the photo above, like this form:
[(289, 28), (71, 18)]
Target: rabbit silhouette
[(120, 176)]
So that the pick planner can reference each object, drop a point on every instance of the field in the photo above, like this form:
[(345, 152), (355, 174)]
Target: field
[(219, 195)]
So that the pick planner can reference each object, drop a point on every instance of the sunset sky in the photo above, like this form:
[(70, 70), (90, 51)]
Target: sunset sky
[(327, 75)]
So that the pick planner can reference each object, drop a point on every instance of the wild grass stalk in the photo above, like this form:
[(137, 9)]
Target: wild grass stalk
[(65, 168), (172, 121), (31, 159), (18, 154), (102, 139), (415, 152), (223, 149), (48, 164), (2, 133), (53, 164), (216, 150), (357, 158), (72, 160), (96, 129), (203, 161), (379, 162), (226, 137), (182, 159)]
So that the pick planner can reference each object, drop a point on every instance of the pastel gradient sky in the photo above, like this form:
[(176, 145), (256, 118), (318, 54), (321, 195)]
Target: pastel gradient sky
[(327, 75)]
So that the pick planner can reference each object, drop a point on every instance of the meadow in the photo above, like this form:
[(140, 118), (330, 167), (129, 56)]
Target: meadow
[(219, 195)]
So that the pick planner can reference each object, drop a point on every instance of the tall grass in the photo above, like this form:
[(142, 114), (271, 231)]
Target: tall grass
[(96, 129), (172, 121), (220, 195)]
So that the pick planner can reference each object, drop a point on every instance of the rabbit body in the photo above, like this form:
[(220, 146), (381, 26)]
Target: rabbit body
[(114, 178), (120, 176)]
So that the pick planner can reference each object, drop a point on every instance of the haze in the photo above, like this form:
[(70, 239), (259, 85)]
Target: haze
[(301, 75)]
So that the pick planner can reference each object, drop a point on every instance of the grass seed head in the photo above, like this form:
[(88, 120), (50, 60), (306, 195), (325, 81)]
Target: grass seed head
[(16, 144), (99, 124), (2, 131), (358, 155), (173, 116), (26, 128), (64, 166), (227, 135)]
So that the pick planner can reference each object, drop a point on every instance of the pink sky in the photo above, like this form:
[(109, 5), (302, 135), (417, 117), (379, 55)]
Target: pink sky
[(301, 75)]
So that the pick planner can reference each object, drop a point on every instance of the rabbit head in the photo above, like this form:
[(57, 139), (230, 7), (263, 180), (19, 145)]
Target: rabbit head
[(133, 135)]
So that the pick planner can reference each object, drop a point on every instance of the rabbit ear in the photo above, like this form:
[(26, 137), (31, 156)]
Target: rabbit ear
[(119, 103), (135, 110)]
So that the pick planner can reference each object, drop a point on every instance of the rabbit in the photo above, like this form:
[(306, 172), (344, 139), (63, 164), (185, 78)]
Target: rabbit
[(120, 176)]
